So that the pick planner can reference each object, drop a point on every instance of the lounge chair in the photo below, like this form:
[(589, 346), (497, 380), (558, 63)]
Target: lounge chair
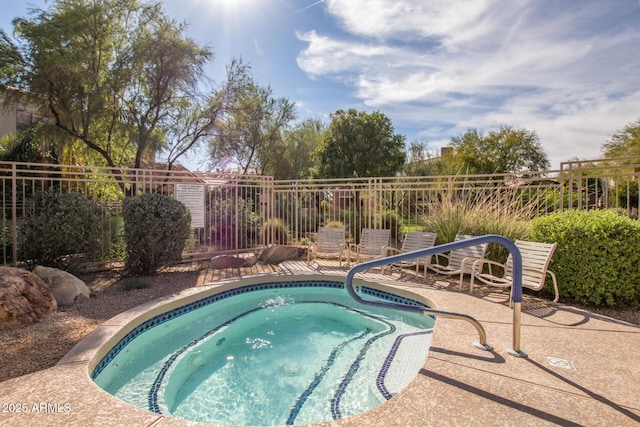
[(413, 241), (535, 267), (373, 245), (459, 261), (329, 243)]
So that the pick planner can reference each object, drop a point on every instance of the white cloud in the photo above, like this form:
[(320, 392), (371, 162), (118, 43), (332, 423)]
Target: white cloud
[(567, 70), (452, 20), (326, 55)]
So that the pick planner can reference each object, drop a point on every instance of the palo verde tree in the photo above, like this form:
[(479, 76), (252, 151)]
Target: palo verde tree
[(421, 161), (250, 135), (293, 160), (360, 144), (117, 76)]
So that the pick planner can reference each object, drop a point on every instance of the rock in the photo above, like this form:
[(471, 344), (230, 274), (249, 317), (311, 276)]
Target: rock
[(277, 253), (226, 261), (250, 261), (24, 298), (66, 288)]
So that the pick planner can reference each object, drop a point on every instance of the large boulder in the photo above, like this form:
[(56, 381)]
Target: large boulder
[(66, 288), (227, 261), (277, 253), (24, 298)]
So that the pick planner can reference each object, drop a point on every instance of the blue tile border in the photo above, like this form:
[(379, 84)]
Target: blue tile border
[(152, 398), (319, 376), (389, 359), (342, 387)]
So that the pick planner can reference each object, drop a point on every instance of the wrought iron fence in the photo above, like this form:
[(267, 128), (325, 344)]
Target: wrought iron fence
[(236, 213)]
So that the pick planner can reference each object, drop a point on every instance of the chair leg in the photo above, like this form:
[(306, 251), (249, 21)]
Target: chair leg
[(555, 286)]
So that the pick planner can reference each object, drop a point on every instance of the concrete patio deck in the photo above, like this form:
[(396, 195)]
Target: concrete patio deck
[(582, 369)]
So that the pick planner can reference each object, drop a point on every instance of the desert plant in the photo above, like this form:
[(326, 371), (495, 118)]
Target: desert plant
[(156, 228), (478, 216), (234, 220), (275, 231), (63, 232), (334, 224), (597, 257)]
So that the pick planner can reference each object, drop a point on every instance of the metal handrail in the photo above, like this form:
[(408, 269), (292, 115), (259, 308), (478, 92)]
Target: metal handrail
[(516, 294)]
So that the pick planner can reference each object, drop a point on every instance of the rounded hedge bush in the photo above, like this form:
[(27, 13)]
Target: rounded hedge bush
[(597, 260), (156, 228), (64, 232)]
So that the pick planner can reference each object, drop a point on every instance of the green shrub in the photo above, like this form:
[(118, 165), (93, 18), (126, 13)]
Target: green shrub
[(597, 259), (156, 228), (64, 231), (274, 231)]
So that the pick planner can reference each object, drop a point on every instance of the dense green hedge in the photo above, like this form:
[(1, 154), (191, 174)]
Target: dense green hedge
[(156, 228), (597, 260), (64, 232)]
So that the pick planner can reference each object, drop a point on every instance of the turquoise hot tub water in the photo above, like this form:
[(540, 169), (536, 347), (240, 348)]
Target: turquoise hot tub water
[(273, 353)]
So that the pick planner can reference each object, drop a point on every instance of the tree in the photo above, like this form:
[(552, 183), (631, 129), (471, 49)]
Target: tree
[(507, 150), (23, 146), (421, 161), (295, 160), (250, 135), (360, 144), (624, 143), (114, 75)]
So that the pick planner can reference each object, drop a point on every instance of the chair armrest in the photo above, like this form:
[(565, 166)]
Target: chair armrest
[(391, 250), (437, 258), (479, 263)]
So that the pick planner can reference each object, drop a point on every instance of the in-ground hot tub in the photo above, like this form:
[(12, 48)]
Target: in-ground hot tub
[(267, 351)]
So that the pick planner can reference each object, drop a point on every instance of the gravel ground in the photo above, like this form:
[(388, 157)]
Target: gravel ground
[(41, 345)]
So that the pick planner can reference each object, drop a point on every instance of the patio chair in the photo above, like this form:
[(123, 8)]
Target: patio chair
[(373, 245), (535, 267), (329, 243), (459, 261), (413, 241)]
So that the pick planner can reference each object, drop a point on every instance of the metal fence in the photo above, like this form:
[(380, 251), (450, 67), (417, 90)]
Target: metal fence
[(236, 213)]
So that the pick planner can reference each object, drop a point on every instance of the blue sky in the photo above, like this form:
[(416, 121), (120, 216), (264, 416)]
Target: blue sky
[(566, 69)]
